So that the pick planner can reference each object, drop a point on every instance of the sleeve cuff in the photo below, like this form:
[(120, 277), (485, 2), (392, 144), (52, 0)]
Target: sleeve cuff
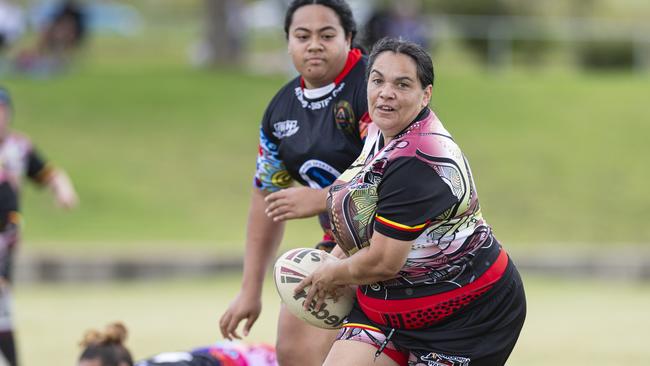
[(398, 231)]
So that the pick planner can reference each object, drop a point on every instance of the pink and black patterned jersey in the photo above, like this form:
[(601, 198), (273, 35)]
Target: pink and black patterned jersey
[(19, 159), (417, 187)]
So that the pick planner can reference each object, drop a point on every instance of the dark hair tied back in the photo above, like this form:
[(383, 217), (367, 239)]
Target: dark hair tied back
[(107, 346), (340, 7)]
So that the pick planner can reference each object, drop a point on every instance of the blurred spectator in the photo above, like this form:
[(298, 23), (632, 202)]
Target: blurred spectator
[(19, 159), (101, 16), (61, 36), (12, 24), (398, 20)]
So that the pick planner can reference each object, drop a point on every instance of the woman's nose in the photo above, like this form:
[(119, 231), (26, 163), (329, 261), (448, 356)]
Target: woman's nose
[(386, 92), (314, 44)]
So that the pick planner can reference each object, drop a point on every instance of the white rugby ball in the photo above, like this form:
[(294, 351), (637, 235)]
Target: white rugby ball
[(291, 268)]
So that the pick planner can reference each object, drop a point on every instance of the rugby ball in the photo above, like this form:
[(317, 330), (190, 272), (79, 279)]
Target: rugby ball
[(291, 268)]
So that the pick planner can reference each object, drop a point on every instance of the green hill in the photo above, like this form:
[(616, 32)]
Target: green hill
[(163, 154)]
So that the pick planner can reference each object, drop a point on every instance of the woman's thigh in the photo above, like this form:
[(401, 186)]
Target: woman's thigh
[(349, 352), (299, 343)]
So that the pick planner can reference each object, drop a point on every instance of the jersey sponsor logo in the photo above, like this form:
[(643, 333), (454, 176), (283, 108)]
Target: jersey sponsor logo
[(281, 179), (286, 128), (318, 174), (438, 359), (344, 116)]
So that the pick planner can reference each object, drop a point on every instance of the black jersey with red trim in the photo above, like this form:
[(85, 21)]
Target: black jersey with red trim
[(312, 141), (418, 188)]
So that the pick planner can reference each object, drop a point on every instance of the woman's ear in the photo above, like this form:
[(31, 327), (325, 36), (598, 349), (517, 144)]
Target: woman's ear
[(426, 98)]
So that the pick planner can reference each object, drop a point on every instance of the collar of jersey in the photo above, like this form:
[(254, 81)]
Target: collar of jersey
[(353, 57), (423, 115), (319, 92)]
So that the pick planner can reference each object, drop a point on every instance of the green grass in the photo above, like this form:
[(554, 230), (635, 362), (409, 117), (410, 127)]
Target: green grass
[(171, 315), (163, 154), (570, 322), (168, 155), (557, 158)]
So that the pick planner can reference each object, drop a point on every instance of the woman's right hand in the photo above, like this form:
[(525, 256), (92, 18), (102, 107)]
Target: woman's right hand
[(243, 307)]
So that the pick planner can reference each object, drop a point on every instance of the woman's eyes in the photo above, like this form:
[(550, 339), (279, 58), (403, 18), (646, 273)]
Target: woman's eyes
[(399, 85), (304, 37)]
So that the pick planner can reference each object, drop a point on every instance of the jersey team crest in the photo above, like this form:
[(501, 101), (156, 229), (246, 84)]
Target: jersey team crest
[(344, 116)]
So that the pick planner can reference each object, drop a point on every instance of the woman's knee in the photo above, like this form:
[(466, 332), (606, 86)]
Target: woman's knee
[(348, 352), (291, 351), (299, 343)]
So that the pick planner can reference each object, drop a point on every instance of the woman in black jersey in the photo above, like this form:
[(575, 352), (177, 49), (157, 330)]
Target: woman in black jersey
[(435, 287), (312, 131)]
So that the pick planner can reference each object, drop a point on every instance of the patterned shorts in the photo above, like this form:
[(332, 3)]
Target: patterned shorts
[(374, 337), (483, 334)]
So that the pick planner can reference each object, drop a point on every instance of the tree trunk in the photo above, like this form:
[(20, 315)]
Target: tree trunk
[(224, 33)]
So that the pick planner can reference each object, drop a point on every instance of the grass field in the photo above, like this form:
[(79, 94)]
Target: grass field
[(570, 322), (165, 154)]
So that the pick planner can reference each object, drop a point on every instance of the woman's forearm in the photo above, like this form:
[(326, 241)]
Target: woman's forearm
[(263, 237), (381, 261)]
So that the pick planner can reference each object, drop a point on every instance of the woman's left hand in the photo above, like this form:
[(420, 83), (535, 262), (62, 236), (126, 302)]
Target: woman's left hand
[(320, 285), (295, 202)]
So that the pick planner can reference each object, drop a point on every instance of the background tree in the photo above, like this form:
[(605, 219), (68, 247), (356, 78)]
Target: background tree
[(224, 34)]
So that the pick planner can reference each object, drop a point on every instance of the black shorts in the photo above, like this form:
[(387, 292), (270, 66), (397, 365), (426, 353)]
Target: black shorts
[(482, 334)]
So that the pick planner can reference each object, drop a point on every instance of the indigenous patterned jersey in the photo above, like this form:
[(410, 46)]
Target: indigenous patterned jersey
[(418, 187), (18, 159), (313, 140)]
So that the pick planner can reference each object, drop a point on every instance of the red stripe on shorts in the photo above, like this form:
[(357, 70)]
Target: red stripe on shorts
[(421, 312)]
